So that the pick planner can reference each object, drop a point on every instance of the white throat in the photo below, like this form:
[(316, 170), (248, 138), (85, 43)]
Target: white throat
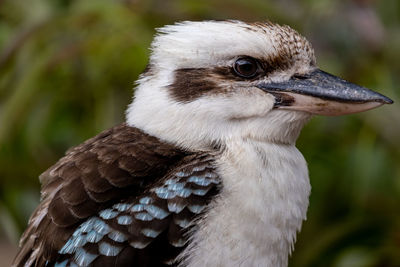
[(260, 209)]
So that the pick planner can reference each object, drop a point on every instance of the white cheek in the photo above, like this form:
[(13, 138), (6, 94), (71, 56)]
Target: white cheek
[(247, 103), (197, 124)]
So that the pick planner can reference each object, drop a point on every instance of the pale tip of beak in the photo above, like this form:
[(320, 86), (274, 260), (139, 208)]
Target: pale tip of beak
[(318, 106)]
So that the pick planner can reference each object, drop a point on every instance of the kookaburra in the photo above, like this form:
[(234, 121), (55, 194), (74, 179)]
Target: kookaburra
[(204, 172)]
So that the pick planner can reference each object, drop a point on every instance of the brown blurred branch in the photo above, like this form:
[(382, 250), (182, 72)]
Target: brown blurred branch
[(20, 39)]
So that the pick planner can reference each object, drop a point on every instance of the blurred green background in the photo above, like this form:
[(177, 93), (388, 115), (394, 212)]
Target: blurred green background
[(67, 69)]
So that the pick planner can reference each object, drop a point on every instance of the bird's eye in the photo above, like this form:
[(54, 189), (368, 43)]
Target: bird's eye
[(246, 67)]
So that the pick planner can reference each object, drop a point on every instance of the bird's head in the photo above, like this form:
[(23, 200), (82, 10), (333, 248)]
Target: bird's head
[(208, 82)]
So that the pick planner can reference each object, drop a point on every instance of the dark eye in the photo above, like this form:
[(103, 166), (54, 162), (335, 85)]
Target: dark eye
[(246, 67)]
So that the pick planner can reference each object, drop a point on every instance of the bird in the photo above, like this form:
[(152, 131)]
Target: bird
[(204, 171)]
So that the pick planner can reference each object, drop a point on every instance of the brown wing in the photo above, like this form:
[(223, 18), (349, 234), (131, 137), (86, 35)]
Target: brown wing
[(149, 229), (112, 166)]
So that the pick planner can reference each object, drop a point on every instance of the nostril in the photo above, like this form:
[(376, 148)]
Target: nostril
[(300, 76)]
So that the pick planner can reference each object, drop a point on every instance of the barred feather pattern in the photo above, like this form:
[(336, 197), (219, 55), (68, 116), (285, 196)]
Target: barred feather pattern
[(120, 198), (124, 234)]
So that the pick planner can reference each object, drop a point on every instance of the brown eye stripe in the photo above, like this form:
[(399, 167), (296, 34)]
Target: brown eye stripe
[(192, 83)]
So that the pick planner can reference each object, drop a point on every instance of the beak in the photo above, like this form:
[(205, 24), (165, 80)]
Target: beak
[(322, 93)]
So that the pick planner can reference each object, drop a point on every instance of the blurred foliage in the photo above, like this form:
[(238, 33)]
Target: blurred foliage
[(67, 70)]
